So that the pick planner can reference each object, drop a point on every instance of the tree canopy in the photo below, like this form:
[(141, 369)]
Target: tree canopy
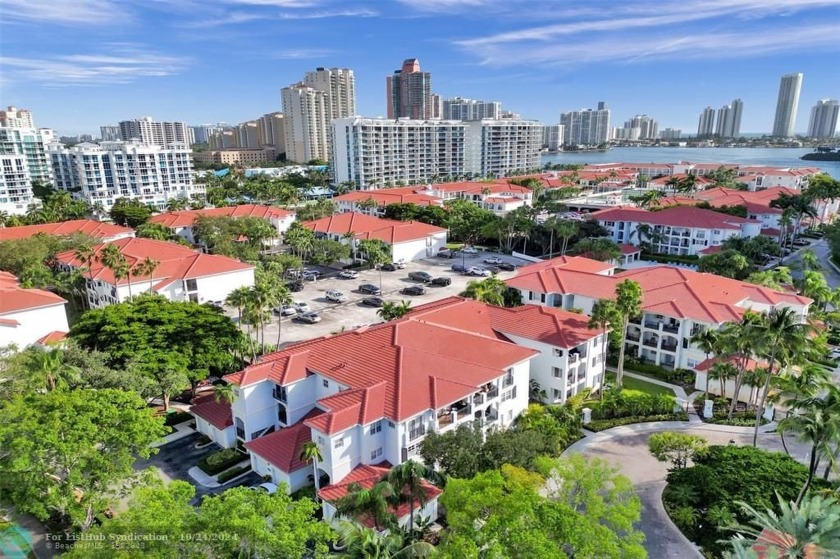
[(130, 212)]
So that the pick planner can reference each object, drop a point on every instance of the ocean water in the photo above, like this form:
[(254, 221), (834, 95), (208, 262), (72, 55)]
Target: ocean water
[(777, 157)]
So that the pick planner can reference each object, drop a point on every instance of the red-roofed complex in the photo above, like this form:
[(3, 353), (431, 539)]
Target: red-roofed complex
[(680, 230), (89, 227), (409, 240), (181, 222), (372, 394), (181, 274), (677, 303), (29, 316)]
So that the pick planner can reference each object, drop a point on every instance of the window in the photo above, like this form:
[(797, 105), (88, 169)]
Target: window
[(558, 372), (376, 453), (557, 394), (192, 285), (339, 443), (558, 352), (326, 383), (509, 394), (375, 427), (320, 440), (542, 297), (691, 363), (508, 380), (391, 424)]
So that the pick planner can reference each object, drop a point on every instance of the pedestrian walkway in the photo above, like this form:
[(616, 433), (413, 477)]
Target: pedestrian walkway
[(182, 430)]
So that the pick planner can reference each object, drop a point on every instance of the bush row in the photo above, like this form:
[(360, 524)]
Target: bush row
[(232, 473), (217, 462), (602, 424), (176, 417), (666, 258), (628, 403), (682, 376)]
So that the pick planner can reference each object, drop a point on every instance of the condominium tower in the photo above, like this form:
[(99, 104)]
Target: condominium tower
[(23, 159), (706, 126), (458, 108), (306, 123), (340, 86), (823, 122), (409, 92), (729, 120), (163, 134), (587, 126), (787, 105), (13, 117)]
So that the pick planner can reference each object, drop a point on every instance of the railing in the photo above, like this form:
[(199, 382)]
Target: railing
[(633, 338), (418, 431), (574, 357), (478, 399), (492, 415), (673, 328), (669, 347), (507, 381), (635, 320), (492, 393), (445, 420), (653, 325), (409, 452), (651, 343)]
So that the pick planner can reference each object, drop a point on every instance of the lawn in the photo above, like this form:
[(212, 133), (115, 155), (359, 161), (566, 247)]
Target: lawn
[(641, 385)]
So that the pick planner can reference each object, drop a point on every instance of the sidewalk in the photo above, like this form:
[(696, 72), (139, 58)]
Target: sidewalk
[(182, 430)]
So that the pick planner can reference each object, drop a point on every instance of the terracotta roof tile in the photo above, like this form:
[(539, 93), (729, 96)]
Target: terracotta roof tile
[(185, 218), (89, 227), (218, 414), (14, 298), (369, 227), (679, 216), (53, 337), (283, 448)]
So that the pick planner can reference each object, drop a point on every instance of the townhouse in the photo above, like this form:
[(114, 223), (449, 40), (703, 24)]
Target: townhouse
[(89, 227), (374, 202), (676, 303), (680, 230), (29, 316), (409, 240), (181, 222), (368, 397), (180, 274), (759, 177), (499, 197)]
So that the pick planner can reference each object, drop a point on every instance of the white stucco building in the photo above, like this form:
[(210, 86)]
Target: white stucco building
[(181, 222), (29, 316)]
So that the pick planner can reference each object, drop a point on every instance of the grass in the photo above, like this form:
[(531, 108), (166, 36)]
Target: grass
[(641, 385)]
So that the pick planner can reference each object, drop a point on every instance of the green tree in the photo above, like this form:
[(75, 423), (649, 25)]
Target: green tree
[(69, 451), (563, 228), (373, 503), (628, 304), (676, 448), (156, 231), (407, 480), (604, 315), (130, 212), (312, 453), (726, 263), (360, 542), (146, 268), (46, 370), (300, 239), (466, 220), (454, 453), (707, 341), (602, 249), (392, 311), (489, 290)]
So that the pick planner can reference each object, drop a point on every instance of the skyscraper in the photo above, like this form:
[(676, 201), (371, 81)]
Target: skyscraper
[(163, 134), (823, 123), (787, 105), (109, 133), (706, 126), (340, 86), (729, 120), (306, 121), (459, 108), (410, 92), (587, 126), (13, 117)]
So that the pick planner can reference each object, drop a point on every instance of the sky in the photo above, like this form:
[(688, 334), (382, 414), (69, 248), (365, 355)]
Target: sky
[(79, 64)]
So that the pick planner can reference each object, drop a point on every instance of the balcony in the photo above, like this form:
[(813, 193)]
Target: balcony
[(573, 358), (651, 342), (492, 393), (491, 415), (671, 327), (280, 393), (633, 337), (478, 399), (417, 432), (669, 347), (652, 325)]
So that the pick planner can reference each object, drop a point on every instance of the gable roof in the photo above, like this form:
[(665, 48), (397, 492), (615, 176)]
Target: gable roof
[(218, 414), (185, 218), (14, 298), (283, 448), (89, 227), (678, 216), (364, 226), (174, 262), (384, 197)]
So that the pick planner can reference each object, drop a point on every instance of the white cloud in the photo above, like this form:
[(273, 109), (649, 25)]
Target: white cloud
[(232, 18), (279, 3), (359, 12), (302, 54), (93, 12), (123, 64)]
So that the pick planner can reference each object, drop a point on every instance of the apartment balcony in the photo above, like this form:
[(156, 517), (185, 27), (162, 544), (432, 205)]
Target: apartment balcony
[(573, 358), (651, 342), (669, 347), (633, 337), (416, 432), (478, 399), (652, 325), (492, 393), (671, 327)]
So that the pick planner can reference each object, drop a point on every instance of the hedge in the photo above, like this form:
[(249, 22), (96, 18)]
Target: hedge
[(217, 462), (739, 419), (232, 473), (176, 417), (669, 258), (682, 375), (602, 424)]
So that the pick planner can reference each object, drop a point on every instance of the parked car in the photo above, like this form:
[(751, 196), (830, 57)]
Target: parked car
[(469, 250), (420, 276), (369, 288), (493, 269), (269, 488), (478, 271), (295, 286), (309, 317), (301, 308), (413, 290), (801, 243), (400, 265), (441, 281), (349, 274), (285, 310), (311, 275), (494, 260), (460, 268), (335, 296), (388, 267), (507, 266), (446, 253), (373, 301)]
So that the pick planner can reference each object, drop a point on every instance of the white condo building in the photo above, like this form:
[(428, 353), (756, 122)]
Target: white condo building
[(787, 105), (13, 117), (459, 108), (163, 134), (340, 86), (552, 137), (111, 170), (729, 120), (823, 122), (306, 122), (23, 159), (500, 148), (587, 126)]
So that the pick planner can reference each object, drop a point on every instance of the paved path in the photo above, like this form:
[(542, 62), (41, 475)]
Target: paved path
[(626, 448)]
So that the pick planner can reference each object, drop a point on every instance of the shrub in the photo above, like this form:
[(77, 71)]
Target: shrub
[(602, 424), (232, 473), (668, 258), (307, 492), (220, 461), (176, 417), (624, 403), (682, 376), (739, 419)]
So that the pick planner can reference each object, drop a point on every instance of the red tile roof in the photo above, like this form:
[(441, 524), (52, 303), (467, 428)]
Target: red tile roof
[(752, 364), (89, 227), (383, 197), (679, 216), (629, 249), (369, 227), (14, 298), (174, 262), (185, 218), (216, 413), (283, 448), (669, 291), (53, 337), (367, 477), (395, 369)]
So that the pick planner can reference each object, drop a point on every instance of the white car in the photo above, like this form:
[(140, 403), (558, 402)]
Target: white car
[(336, 296), (469, 250), (269, 488), (349, 274), (308, 317), (286, 310), (493, 261), (478, 271), (301, 308), (399, 265)]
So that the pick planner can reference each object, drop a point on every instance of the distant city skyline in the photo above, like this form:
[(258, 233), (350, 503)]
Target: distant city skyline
[(113, 60)]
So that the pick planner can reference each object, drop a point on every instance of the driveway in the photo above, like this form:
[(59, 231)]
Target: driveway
[(626, 448), (174, 459)]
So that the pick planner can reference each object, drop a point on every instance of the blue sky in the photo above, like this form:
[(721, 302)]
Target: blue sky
[(82, 63)]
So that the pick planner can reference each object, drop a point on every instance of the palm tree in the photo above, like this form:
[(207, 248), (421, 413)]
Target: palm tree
[(281, 297), (224, 393), (628, 304), (87, 255), (786, 337), (360, 542), (565, 229), (392, 311), (707, 341), (407, 479), (112, 258), (688, 184), (238, 298), (604, 313), (147, 267), (810, 528), (721, 372), (311, 453), (489, 290), (374, 503), (46, 369), (743, 340)]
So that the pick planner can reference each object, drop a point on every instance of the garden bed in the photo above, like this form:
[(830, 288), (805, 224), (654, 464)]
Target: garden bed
[(228, 475), (218, 462), (176, 417), (597, 425)]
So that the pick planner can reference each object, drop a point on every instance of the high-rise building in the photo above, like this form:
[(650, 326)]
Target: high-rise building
[(306, 122), (552, 137), (109, 133), (15, 184), (273, 130), (340, 86), (706, 126), (13, 117), (787, 105), (587, 126), (105, 172), (823, 122), (729, 120), (504, 147), (409, 92), (458, 108), (203, 132), (163, 134), (671, 134), (437, 106), (640, 127)]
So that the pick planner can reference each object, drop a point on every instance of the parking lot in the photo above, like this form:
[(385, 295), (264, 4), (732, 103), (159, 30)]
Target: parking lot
[(336, 317)]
